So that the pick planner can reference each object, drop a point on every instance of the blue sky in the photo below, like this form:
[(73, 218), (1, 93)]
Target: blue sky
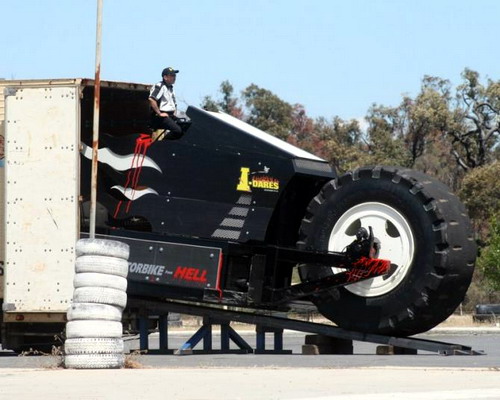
[(334, 57)]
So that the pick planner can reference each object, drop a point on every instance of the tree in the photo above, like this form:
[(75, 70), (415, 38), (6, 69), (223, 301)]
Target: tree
[(429, 116), (339, 142), (412, 134), (228, 103), (480, 192), (385, 136), (489, 261), (302, 129), (303, 126), (479, 106), (437, 132), (268, 112)]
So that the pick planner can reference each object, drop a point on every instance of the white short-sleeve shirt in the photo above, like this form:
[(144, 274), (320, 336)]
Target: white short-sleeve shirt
[(165, 96)]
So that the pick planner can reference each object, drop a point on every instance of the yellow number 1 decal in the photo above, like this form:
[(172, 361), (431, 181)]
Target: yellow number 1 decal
[(243, 186)]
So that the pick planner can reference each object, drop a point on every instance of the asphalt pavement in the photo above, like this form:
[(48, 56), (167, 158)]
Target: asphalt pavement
[(485, 341), (361, 376)]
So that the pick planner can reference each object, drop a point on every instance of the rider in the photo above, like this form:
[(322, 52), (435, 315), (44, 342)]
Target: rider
[(164, 107)]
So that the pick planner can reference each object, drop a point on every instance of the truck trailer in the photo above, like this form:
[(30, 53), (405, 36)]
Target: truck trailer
[(225, 215)]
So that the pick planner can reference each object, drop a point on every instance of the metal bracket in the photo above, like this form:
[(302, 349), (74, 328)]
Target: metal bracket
[(9, 91), (256, 281), (8, 307)]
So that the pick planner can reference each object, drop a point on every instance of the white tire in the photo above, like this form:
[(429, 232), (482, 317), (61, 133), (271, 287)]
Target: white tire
[(102, 247), (93, 329), (86, 279), (102, 265), (93, 346), (100, 295), (94, 361), (85, 311)]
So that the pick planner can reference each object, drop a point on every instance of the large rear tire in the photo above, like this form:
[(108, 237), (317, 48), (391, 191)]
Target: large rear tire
[(423, 229)]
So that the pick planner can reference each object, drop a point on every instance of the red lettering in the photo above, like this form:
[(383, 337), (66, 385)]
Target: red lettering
[(191, 274), (180, 272), (203, 277)]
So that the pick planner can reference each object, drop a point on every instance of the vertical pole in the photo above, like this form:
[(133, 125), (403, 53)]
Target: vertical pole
[(207, 338), (278, 339), (143, 332), (260, 338), (163, 328), (95, 136), (224, 337)]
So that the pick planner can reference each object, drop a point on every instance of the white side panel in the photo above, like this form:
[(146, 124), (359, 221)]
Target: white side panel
[(2, 225), (41, 190), (2, 161)]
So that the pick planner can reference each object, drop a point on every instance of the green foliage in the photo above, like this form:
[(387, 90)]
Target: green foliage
[(268, 112), (480, 192), (228, 103), (477, 134), (428, 116), (489, 261), (337, 141), (385, 136), (210, 104)]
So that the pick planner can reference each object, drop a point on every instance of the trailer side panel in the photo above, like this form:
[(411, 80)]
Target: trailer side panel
[(41, 197)]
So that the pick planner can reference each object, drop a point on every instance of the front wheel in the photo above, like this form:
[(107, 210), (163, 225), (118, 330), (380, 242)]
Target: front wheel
[(423, 230)]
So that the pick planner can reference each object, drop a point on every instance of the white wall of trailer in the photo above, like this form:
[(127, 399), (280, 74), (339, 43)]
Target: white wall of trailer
[(41, 196), (2, 163)]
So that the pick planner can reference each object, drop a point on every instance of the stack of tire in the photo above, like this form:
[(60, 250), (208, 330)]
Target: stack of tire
[(94, 328)]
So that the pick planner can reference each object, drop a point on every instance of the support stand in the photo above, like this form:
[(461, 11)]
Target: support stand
[(278, 341), (143, 322), (227, 334)]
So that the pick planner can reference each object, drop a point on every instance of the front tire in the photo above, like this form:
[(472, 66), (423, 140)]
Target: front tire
[(423, 228)]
